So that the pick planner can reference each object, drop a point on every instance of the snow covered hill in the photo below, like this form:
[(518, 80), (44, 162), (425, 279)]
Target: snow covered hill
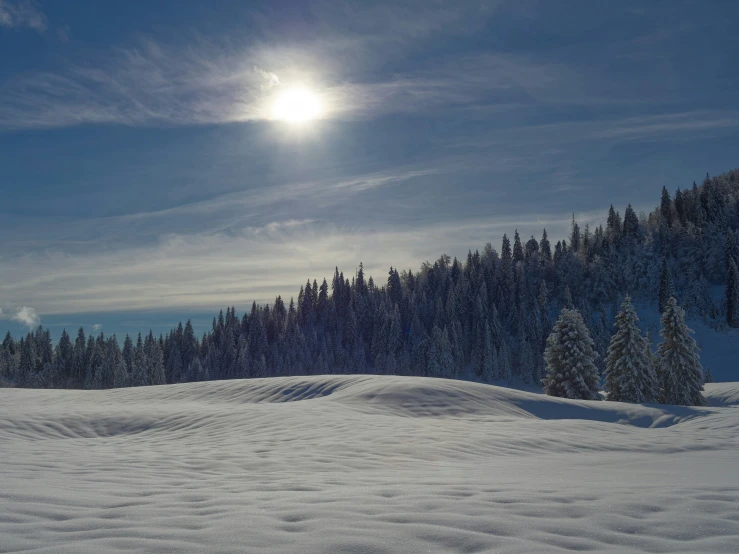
[(370, 464)]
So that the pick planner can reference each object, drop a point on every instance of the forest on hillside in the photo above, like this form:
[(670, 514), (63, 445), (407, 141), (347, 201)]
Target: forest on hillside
[(485, 317)]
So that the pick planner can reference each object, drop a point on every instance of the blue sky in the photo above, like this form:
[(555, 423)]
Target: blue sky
[(143, 181)]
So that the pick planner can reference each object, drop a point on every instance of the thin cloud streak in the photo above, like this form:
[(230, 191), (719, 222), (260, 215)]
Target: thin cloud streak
[(676, 126), (220, 215)]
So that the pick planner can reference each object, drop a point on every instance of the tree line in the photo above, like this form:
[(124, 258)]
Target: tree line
[(486, 317)]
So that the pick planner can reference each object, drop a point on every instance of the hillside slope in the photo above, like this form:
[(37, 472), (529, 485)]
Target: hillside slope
[(368, 464)]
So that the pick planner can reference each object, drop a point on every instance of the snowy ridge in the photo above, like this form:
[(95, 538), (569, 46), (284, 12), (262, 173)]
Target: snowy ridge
[(371, 464), (722, 394), (404, 396)]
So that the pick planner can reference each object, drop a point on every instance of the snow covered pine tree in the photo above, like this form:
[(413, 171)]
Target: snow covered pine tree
[(680, 371), (570, 359), (629, 374)]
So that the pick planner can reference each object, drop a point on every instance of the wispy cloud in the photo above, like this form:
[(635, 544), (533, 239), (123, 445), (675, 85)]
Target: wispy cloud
[(22, 13), (354, 59), (226, 213), (146, 85), (153, 84), (608, 129), (197, 81)]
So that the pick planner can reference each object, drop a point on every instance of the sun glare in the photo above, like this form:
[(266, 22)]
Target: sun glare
[(296, 105)]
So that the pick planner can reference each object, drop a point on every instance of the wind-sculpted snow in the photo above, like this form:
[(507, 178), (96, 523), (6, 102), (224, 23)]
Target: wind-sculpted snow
[(370, 464), (722, 394)]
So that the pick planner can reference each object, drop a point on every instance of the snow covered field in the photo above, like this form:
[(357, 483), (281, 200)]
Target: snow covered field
[(363, 464)]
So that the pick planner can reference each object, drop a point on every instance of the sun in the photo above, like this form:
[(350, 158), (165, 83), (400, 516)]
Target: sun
[(296, 105)]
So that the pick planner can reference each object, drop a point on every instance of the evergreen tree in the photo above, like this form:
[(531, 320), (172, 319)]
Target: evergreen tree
[(195, 372), (631, 223), (9, 344), (505, 250), (446, 356), (567, 298), (629, 375), (154, 361), (433, 356), (666, 288), (732, 295), (63, 361), (532, 248), (189, 344), (575, 236), (680, 370), (545, 247), (79, 359), (112, 368), (680, 206), (517, 248), (139, 372), (731, 248), (543, 297), (613, 227), (128, 354), (570, 359), (28, 361), (666, 207)]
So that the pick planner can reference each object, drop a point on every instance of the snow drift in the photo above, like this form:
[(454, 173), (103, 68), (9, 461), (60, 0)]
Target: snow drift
[(363, 464)]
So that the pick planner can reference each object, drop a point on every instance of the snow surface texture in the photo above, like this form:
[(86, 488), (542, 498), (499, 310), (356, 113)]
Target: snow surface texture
[(370, 464)]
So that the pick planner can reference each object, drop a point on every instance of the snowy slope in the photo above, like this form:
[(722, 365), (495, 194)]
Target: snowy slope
[(370, 464)]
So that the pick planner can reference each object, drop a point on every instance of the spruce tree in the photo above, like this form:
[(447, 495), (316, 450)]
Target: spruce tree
[(680, 370), (446, 357), (139, 371), (629, 375), (63, 361), (731, 248), (154, 360), (666, 207), (128, 354), (631, 223), (505, 250), (732, 295), (666, 288), (567, 297), (570, 359), (27, 364), (189, 344), (575, 236), (613, 227), (532, 247), (433, 356), (545, 247), (79, 359), (680, 205), (93, 361), (517, 247)]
